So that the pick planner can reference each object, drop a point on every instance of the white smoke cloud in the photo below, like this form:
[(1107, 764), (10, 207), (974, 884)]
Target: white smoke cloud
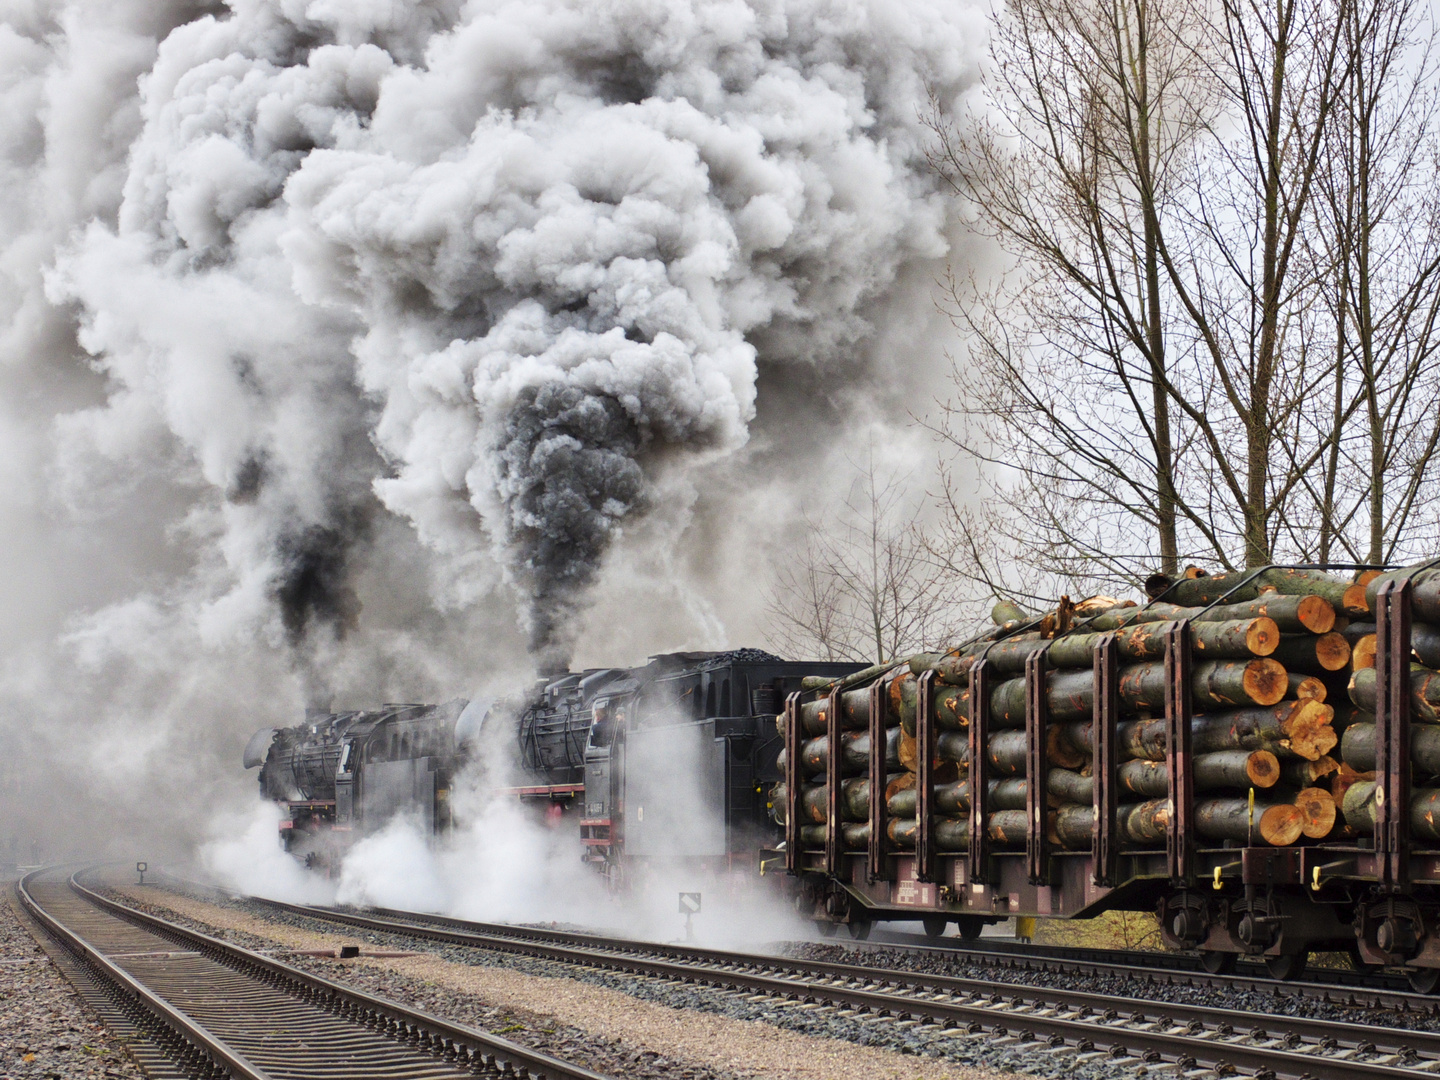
[(333, 331)]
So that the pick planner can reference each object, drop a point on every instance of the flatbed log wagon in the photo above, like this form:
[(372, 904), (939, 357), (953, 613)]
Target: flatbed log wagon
[(1270, 872)]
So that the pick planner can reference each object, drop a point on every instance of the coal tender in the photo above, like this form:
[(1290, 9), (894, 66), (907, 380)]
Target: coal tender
[(670, 761), (1248, 755)]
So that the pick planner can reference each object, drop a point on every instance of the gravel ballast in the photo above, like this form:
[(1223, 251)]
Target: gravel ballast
[(618, 1024), (46, 1031)]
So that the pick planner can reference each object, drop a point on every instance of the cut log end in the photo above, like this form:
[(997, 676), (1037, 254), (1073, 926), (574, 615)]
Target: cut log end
[(1266, 681), (1309, 732), (1281, 826), (1263, 768), (1307, 688), (1317, 809), (1262, 637), (1362, 656), (1316, 614), (1332, 651), (1354, 601)]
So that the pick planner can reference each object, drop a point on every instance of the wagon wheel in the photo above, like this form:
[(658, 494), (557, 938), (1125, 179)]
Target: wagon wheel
[(969, 928), (1218, 963), (934, 925), (859, 929), (1287, 967), (1423, 980), (827, 928)]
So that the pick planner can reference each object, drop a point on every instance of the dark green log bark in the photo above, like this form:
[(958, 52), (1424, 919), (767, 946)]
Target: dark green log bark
[(1142, 739), (951, 834), (1144, 824), (854, 753), (1425, 602), (854, 800), (1292, 614), (1227, 639), (1140, 825), (1065, 787), (953, 746), (1006, 828), (1006, 752), (1272, 729), (1277, 824), (1357, 748), (814, 716), (1358, 629), (1197, 592), (854, 836), (1425, 643), (1313, 654), (855, 678), (1236, 639), (1071, 694), (1289, 729), (950, 799), (1358, 806), (1239, 769), (1007, 611), (1424, 692), (1308, 583), (1222, 683), (951, 704), (1301, 730), (1072, 827)]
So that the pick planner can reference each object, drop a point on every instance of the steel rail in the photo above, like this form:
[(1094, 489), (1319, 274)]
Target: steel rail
[(1378, 990), (1034, 958), (466, 1047), (1125, 1026), (142, 997)]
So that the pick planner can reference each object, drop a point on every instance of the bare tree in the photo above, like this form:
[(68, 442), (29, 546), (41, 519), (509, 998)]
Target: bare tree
[(1381, 235), (864, 586), (1170, 365)]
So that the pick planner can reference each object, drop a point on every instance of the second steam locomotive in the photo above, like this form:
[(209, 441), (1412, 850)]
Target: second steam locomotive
[(674, 759)]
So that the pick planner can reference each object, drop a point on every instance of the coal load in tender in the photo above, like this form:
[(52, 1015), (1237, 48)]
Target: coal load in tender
[(1278, 675)]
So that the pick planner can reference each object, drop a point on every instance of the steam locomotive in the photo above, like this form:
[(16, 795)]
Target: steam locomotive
[(672, 760)]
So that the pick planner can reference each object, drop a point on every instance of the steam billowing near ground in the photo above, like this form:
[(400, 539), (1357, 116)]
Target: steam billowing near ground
[(348, 345)]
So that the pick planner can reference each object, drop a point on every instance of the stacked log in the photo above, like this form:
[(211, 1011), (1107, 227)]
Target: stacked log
[(1279, 672), (1354, 784)]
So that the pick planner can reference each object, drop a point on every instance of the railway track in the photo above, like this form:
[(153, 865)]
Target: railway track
[(213, 1009), (1332, 986), (1185, 1036)]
